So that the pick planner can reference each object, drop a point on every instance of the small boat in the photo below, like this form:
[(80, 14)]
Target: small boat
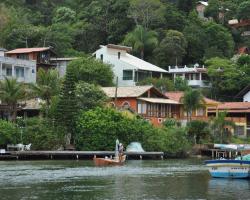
[(229, 168), (109, 161)]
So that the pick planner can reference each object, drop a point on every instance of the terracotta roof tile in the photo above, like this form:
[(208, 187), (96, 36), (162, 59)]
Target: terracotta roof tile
[(176, 96), (28, 50)]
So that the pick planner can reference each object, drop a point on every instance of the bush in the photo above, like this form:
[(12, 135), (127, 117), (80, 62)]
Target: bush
[(42, 134), (172, 141), (8, 133), (97, 129)]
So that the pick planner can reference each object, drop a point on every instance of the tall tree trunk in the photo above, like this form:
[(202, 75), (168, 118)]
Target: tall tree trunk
[(142, 54)]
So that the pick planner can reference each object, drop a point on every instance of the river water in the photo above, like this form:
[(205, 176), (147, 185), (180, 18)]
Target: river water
[(149, 180)]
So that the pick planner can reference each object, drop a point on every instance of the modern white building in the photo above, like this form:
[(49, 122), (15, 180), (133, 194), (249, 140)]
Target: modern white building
[(129, 69), (196, 75), (22, 70)]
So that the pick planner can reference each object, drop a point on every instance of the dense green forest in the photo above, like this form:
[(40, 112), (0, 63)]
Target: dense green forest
[(164, 32)]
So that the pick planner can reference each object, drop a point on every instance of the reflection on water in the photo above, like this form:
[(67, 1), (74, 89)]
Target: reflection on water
[(170, 179)]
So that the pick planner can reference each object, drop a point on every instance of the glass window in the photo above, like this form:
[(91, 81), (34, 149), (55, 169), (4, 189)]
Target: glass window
[(127, 75), (200, 112), (20, 72), (8, 71), (239, 130), (23, 56)]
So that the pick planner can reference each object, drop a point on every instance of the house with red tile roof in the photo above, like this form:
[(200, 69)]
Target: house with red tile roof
[(199, 114), (146, 101), (238, 112), (41, 55)]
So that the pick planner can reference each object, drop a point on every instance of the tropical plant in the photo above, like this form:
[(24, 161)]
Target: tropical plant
[(47, 86), (67, 108), (192, 100), (141, 40), (218, 126), (198, 131), (8, 133), (11, 93)]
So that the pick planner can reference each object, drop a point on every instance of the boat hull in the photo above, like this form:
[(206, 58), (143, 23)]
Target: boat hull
[(109, 162), (228, 168)]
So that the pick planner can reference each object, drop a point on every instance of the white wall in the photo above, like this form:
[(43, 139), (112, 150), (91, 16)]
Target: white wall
[(246, 97), (110, 56), (29, 69)]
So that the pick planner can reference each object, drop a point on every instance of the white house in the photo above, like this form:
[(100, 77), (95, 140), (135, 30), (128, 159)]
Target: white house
[(129, 69), (22, 70), (196, 75), (244, 94)]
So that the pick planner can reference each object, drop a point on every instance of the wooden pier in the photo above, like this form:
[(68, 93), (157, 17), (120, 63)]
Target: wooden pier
[(75, 155)]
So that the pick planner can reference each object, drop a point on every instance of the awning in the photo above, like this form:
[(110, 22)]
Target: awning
[(159, 100)]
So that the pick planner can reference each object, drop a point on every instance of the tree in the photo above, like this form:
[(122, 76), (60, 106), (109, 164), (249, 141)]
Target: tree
[(90, 96), (218, 39), (163, 84), (92, 71), (218, 126), (213, 9), (181, 84), (67, 108), (198, 131), (64, 15), (141, 40), (186, 5), (171, 49), (244, 10), (147, 14), (47, 86), (191, 101), (225, 77), (11, 93)]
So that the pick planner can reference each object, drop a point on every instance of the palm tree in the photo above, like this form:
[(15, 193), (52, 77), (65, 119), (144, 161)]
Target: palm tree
[(47, 86), (141, 39), (218, 125), (11, 92), (192, 100)]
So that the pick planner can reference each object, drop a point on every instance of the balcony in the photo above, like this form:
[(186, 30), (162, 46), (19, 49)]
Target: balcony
[(17, 62)]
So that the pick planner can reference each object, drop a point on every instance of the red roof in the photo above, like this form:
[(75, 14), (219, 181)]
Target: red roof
[(176, 96), (28, 50), (234, 106)]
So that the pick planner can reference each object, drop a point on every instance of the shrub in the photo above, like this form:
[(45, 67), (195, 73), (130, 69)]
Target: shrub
[(42, 134), (8, 133)]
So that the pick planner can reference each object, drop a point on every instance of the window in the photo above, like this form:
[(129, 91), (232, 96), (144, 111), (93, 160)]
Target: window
[(101, 56), (119, 55), (23, 56), (126, 105), (8, 71), (200, 112), (127, 75), (239, 130), (20, 72), (142, 108)]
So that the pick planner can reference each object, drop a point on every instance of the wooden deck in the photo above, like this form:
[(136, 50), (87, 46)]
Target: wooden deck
[(58, 155)]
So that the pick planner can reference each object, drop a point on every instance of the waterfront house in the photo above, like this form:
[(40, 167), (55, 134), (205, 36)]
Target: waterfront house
[(238, 112), (128, 68), (145, 101), (199, 114), (196, 75), (41, 55), (22, 70), (200, 8)]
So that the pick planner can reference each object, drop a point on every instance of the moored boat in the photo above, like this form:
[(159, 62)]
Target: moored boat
[(228, 168), (109, 161)]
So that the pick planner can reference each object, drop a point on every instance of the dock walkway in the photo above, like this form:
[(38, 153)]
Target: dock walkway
[(39, 155)]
